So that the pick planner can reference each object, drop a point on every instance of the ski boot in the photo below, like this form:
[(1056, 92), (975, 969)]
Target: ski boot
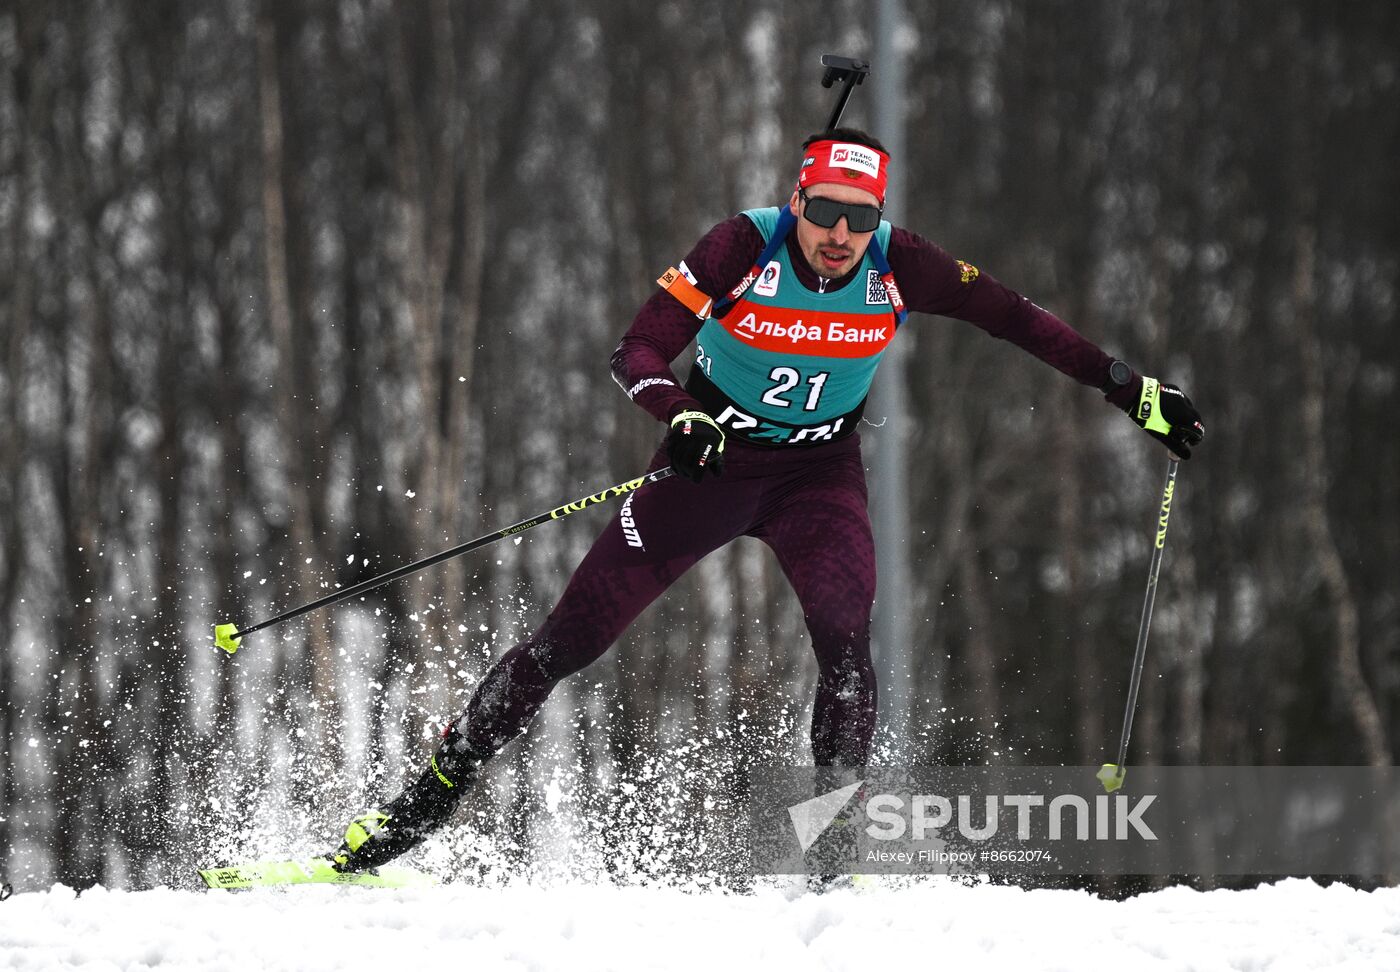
[(404, 822)]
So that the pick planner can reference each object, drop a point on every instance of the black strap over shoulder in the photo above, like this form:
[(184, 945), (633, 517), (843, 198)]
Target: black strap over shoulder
[(786, 221)]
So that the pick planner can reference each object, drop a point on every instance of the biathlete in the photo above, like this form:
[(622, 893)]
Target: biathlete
[(790, 311)]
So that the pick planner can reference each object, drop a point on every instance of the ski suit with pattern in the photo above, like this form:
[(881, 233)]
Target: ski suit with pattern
[(785, 371)]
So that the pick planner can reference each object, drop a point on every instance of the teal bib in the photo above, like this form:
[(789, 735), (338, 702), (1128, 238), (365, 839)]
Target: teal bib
[(785, 365)]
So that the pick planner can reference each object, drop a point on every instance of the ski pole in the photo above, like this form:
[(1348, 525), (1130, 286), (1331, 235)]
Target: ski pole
[(1111, 774), (846, 69), (227, 636)]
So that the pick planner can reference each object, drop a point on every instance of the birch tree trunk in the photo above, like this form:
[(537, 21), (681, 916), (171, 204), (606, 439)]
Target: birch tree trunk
[(324, 731), (1356, 691)]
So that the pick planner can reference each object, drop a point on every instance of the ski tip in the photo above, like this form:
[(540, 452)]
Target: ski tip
[(225, 637), (211, 877), (315, 870), (1111, 776)]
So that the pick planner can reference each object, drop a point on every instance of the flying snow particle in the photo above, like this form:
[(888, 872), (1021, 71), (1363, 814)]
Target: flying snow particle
[(350, 559), (410, 494), (553, 795), (247, 574)]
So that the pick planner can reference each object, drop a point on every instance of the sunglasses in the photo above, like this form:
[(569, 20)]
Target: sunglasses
[(826, 213)]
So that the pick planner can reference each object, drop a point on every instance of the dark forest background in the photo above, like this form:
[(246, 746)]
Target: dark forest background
[(295, 292)]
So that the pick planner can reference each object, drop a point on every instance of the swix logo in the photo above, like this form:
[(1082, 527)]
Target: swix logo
[(743, 285), (629, 525), (896, 298)]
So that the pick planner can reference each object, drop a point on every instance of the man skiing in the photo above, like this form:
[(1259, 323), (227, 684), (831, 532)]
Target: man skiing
[(790, 311)]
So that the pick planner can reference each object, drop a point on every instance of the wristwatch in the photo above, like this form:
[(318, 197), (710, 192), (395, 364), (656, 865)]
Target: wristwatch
[(1119, 374)]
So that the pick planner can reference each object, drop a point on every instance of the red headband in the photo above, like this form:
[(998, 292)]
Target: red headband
[(846, 164)]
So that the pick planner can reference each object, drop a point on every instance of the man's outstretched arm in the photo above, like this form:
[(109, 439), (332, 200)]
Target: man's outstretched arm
[(934, 282)]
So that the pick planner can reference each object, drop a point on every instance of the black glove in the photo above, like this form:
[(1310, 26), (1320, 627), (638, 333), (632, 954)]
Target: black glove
[(1166, 414), (695, 444)]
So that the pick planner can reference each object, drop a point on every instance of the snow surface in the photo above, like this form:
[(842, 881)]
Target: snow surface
[(1293, 925)]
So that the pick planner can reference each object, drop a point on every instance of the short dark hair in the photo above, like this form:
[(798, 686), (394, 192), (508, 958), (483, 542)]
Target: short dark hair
[(845, 135)]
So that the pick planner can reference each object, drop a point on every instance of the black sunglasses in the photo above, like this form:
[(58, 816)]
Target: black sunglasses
[(827, 212)]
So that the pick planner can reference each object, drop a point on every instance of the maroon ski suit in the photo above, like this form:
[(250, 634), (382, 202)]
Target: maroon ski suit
[(808, 504)]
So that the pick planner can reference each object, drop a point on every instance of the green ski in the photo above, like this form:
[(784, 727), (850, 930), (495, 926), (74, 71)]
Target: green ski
[(315, 870)]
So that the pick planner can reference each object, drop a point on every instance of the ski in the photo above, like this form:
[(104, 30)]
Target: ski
[(315, 870)]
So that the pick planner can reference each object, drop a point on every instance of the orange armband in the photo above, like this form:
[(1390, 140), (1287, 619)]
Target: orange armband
[(675, 283)]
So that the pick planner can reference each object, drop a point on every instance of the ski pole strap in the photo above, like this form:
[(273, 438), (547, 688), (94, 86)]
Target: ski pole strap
[(786, 221), (882, 265)]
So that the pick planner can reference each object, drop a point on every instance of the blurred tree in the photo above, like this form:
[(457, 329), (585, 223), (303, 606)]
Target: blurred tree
[(291, 293)]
